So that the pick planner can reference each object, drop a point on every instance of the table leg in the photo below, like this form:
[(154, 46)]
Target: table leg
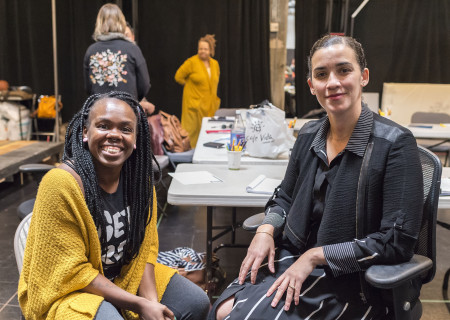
[(233, 233), (20, 122), (209, 240)]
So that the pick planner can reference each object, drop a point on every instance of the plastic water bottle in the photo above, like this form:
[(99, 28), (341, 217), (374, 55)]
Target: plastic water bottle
[(238, 130)]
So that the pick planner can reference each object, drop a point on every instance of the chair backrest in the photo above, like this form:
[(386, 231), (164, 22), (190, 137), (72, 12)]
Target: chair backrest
[(431, 170), (179, 157), (20, 240), (163, 162), (430, 117)]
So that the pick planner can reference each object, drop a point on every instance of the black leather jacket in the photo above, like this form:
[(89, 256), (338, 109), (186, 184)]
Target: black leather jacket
[(381, 221)]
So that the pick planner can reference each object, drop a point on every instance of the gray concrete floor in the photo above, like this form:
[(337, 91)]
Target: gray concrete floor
[(184, 226)]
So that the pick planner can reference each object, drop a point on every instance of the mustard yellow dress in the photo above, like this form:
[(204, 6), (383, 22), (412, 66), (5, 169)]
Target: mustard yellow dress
[(63, 255), (199, 94)]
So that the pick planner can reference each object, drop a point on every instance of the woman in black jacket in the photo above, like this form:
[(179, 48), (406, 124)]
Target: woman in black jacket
[(351, 198), (114, 62)]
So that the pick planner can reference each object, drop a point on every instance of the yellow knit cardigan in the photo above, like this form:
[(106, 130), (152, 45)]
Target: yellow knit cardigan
[(62, 255), (199, 94)]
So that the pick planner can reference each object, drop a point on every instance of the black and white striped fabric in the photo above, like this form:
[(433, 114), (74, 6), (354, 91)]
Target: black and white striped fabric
[(317, 300), (183, 257)]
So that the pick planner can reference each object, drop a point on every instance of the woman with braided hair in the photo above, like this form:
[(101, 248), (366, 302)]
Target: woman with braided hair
[(92, 244)]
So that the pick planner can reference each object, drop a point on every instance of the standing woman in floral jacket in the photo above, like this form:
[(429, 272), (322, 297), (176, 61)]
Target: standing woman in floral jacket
[(114, 62)]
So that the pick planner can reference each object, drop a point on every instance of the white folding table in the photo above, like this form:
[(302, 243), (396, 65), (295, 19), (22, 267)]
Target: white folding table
[(440, 133), (430, 131), (444, 201)]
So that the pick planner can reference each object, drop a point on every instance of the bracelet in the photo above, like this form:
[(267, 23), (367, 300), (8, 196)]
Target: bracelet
[(265, 233)]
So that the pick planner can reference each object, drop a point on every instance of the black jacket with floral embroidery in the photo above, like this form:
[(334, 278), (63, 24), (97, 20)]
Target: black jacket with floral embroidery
[(114, 63)]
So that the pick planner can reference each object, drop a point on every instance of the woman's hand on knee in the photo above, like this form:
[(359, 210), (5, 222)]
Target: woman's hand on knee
[(262, 246), (152, 310), (292, 279)]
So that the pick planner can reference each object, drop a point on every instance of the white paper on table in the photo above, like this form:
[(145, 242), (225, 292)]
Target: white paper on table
[(263, 185), (195, 177), (445, 187)]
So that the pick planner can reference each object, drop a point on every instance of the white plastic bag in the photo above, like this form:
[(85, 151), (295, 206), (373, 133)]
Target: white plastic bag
[(266, 132), (3, 131), (14, 132), (10, 111)]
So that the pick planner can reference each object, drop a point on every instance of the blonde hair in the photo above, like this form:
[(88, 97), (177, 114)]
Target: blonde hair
[(209, 39), (109, 19)]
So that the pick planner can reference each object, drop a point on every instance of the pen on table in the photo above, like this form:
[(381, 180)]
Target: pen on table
[(420, 126), (220, 180), (218, 131)]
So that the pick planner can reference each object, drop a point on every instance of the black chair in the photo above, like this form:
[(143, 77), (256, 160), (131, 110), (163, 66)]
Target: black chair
[(423, 264)]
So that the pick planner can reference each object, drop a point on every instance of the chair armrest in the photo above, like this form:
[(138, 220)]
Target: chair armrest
[(391, 276), (181, 157), (36, 167), (163, 162), (253, 222)]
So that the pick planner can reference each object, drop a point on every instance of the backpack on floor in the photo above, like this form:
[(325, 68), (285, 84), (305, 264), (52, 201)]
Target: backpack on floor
[(176, 139), (192, 265)]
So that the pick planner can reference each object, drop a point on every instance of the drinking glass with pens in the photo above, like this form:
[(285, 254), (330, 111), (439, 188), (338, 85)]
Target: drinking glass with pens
[(292, 123), (236, 147), (291, 126), (234, 154)]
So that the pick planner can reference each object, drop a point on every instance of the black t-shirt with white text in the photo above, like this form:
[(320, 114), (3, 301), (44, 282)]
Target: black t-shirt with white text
[(116, 218)]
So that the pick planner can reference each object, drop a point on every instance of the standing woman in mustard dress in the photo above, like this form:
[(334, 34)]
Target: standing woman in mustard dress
[(200, 76)]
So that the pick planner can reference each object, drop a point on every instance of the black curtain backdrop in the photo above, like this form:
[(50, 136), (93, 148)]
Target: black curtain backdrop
[(168, 35), (404, 41), (309, 26), (26, 48)]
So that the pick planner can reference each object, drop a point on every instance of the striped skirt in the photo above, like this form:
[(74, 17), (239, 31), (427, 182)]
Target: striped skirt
[(317, 300)]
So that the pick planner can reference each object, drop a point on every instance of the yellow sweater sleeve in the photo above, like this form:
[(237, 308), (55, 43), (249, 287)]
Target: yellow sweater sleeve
[(63, 255), (60, 257), (183, 72)]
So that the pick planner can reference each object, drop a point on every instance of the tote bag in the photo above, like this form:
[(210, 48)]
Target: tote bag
[(266, 131)]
